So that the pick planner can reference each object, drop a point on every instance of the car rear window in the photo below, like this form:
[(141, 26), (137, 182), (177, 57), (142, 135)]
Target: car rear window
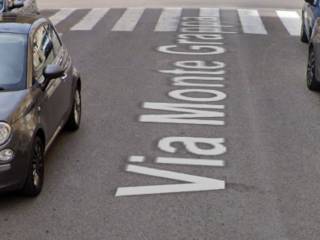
[(13, 59)]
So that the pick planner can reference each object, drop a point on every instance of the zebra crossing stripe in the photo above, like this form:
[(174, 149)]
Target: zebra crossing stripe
[(212, 13), (169, 20), (61, 15), (291, 20), (129, 20), (90, 20), (251, 22)]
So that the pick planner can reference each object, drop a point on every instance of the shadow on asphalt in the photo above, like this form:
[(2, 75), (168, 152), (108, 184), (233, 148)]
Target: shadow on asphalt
[(12, 200), (15, 199)]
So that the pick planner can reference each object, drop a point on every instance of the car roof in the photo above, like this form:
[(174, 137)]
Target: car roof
[(17, 23)]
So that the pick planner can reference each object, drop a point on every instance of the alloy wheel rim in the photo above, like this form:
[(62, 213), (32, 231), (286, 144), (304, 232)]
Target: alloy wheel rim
[(37, 165), (311, 67), (77, 107), (36, 178)]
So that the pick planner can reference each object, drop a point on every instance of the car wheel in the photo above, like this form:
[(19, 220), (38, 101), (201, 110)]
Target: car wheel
[(312, 82), (303, 34), (74, 120), (34, 182)]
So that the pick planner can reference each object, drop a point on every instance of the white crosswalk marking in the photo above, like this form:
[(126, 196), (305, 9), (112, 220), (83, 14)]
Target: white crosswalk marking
[(129, 20), (61, 15), (90, 20), (251, 21), (169, 20), (291, 20), (212, 13)]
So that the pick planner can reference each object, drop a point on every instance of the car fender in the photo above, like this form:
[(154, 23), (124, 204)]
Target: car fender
[(314, 43)]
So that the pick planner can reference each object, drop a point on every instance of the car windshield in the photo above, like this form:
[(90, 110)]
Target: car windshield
[(13, 58), (1, 5)]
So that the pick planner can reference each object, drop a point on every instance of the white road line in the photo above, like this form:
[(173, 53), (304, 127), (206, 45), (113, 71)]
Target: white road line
[(137, 159), (291, 20), (191, 162), (128, 20), (169, 20), (251, 22), (61, 15), (90, 20)]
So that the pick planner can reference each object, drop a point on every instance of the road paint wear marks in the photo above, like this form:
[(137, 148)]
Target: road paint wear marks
[(128, 20), (169, 20), (251, 22), (90, 20), (291, 20), (61, 15)]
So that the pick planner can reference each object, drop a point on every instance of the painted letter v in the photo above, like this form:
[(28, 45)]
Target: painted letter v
[(195, 183)]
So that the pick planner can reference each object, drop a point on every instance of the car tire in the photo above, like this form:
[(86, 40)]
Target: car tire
[(312, 81), (35, 178), (303, 35), (74, 120)]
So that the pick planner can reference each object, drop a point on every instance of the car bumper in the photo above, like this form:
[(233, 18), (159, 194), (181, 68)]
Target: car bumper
[(8, 182), (13, 174)]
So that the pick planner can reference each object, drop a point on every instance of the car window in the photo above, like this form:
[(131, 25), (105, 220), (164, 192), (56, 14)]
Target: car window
[(1, 5), (55, 40), (13, 65), (43, 53)]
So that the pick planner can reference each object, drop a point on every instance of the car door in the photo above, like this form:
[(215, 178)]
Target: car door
[(310, 16), (64, 60), (50, 106)]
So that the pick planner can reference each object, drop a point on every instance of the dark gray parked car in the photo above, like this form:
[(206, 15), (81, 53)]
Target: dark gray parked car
[(39, 96)]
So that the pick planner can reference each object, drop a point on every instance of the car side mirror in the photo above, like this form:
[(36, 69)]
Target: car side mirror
[(53, 71), (311, 2), (17, 4)]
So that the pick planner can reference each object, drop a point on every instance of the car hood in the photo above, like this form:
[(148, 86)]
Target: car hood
[(13, 105)]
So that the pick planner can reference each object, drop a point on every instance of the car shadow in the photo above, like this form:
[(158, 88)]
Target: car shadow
[(14, 199)]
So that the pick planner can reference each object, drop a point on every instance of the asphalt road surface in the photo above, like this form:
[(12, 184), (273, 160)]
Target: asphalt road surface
[(185, 135)]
